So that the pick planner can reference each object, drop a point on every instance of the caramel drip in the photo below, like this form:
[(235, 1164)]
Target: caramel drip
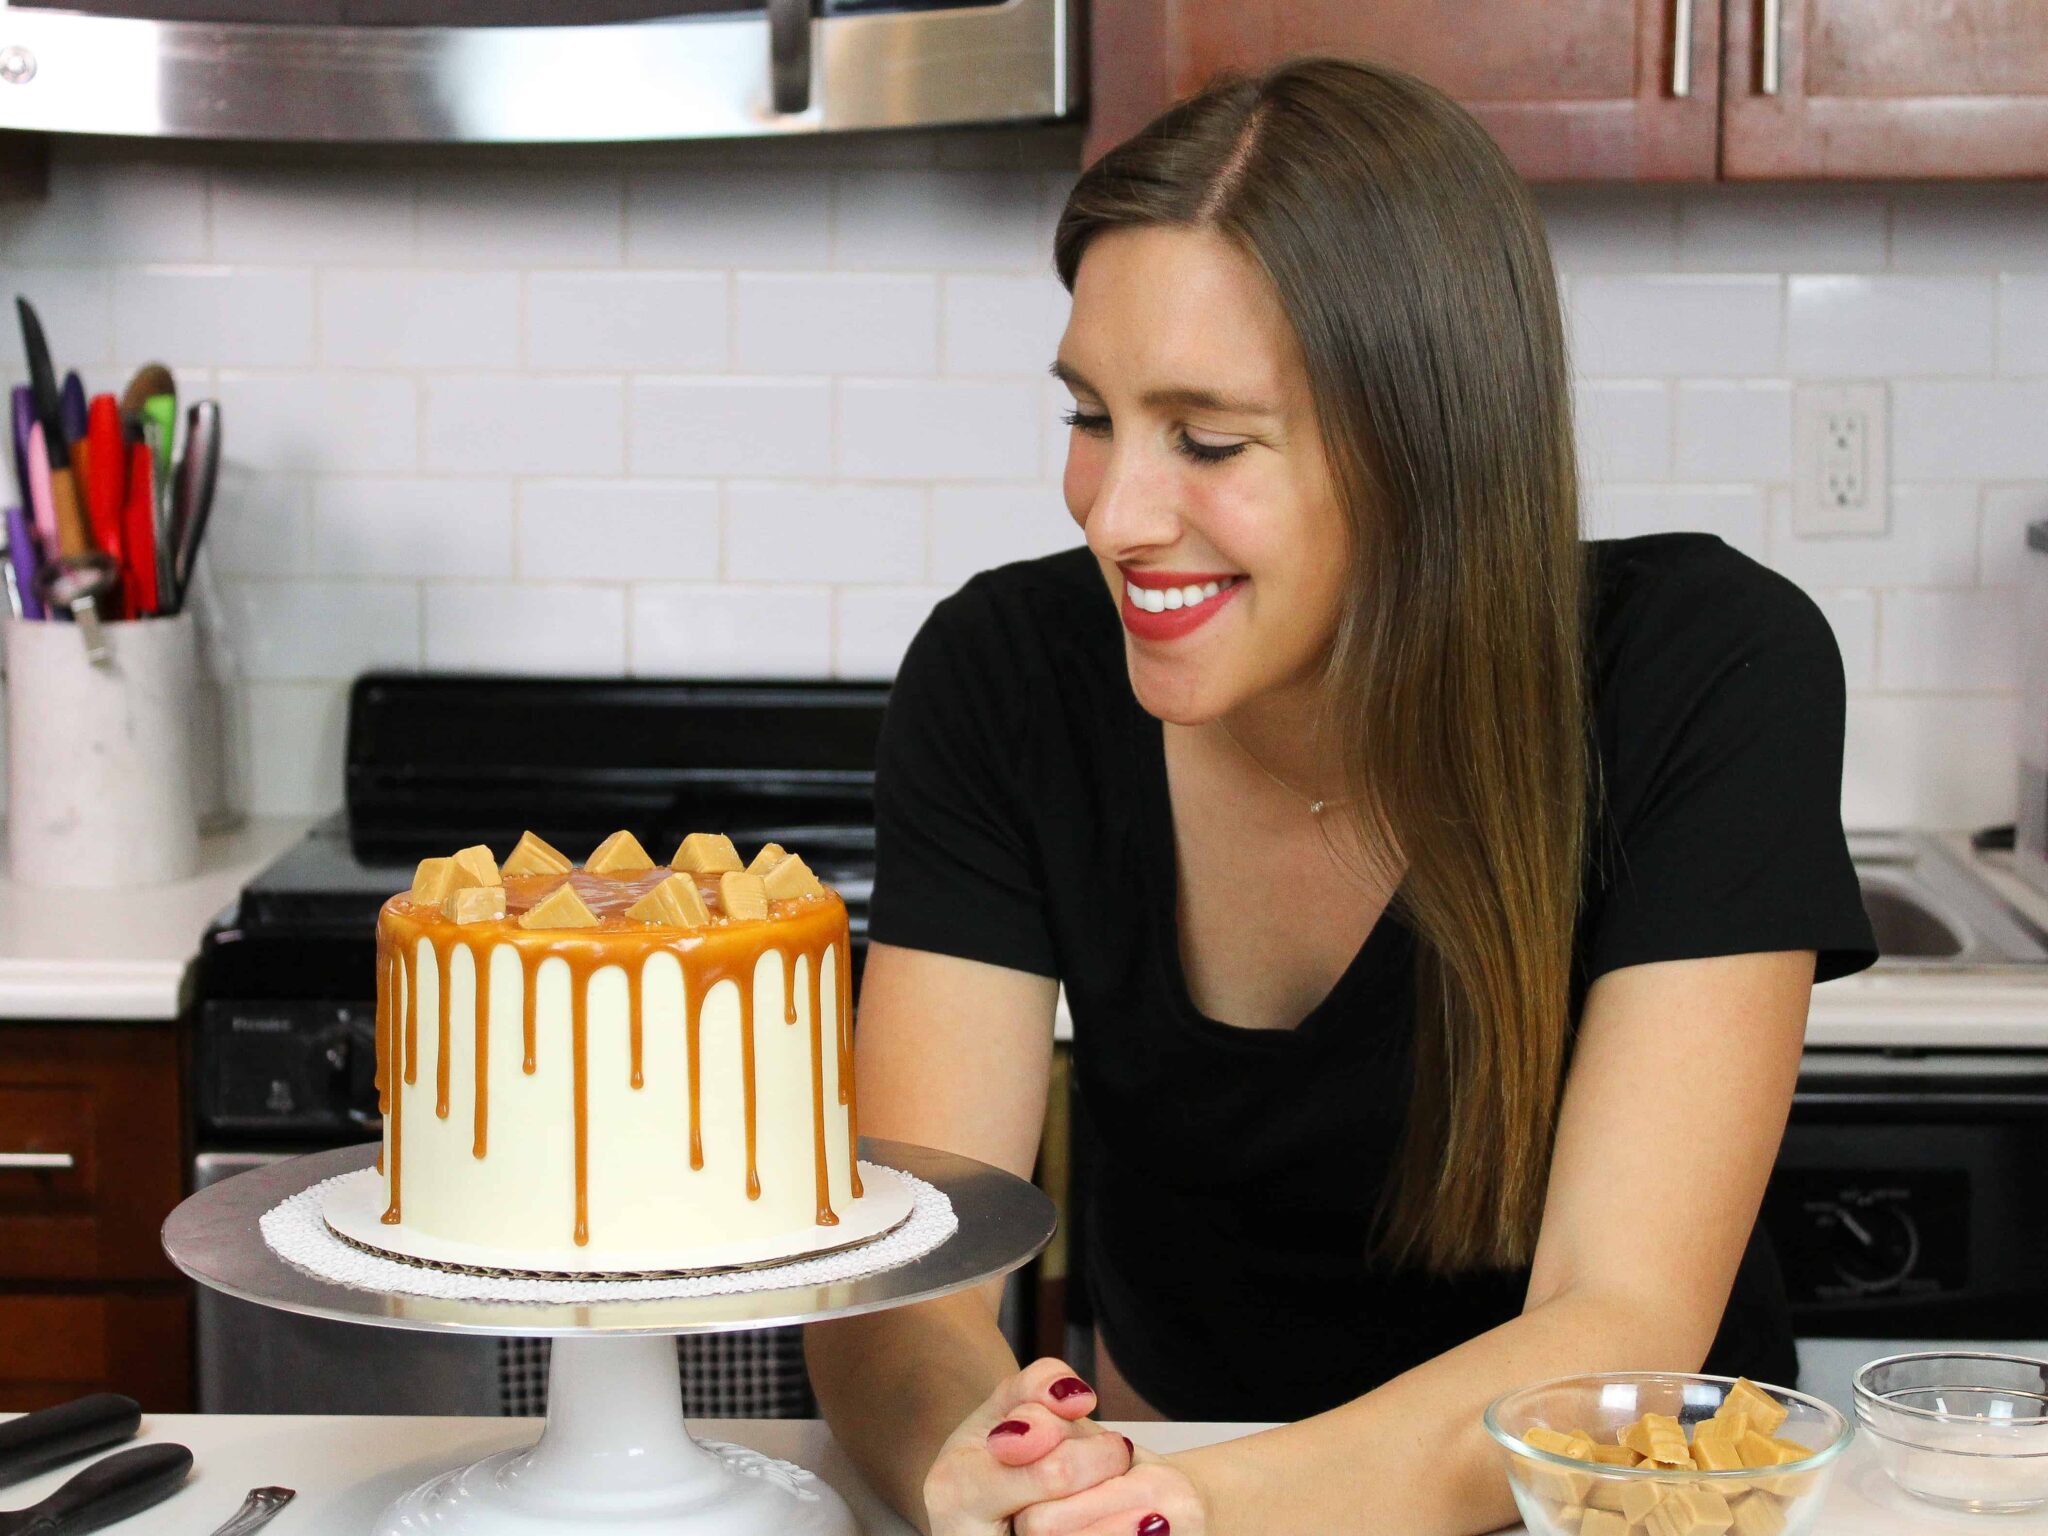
[(387, 996), (827, 1217), (706, 956), (443, 953), (579, 1056), (847, 1093), (480, 964), (634, 973)]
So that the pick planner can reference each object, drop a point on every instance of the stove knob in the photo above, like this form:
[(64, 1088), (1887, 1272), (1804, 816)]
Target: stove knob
[(1874, 1244)]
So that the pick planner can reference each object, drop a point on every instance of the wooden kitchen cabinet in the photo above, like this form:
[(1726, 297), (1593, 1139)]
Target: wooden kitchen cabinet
[(1571, 88), (1586, 89), (91, 1162), (1924, 88)]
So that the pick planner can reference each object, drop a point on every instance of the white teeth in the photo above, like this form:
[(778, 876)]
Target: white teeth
[(1173, 597), (1191, 595), (1212, 589), (1161, 599)]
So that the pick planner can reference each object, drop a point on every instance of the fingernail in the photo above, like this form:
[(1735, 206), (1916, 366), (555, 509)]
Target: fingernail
[(1068, 1386), (1130, 1447), (1010, 1427), (1154, 1525)]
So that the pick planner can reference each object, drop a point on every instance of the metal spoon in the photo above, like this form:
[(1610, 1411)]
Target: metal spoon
[(76, 583), (257, 1511)]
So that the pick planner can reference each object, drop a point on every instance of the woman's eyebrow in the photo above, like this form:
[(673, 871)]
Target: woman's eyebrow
[(1187, 397)]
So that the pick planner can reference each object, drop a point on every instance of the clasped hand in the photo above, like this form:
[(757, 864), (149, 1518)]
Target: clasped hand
[(1030, 1462)]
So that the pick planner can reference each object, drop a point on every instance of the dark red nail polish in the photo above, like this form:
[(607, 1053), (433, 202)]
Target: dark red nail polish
[(1130, 1447), (1154, 1525), (1068, 1386), (1010, 1427)]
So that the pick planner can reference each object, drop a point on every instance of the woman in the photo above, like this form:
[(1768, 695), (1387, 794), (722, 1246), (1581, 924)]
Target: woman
[(1437, 898)]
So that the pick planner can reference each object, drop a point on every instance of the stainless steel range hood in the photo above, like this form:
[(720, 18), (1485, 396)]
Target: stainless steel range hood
[(145, 68)]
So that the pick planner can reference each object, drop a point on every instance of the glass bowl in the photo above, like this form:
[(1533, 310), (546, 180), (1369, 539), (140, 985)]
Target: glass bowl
[(1969, 1431), (1561, 1496)]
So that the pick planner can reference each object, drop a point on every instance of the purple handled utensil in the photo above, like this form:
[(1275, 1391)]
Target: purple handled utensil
[(21, 558)]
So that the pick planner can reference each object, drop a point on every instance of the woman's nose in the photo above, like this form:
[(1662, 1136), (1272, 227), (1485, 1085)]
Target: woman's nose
[(1133, 507)]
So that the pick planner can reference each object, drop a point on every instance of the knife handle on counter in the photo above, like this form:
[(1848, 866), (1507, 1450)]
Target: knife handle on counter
[(50, 1436), (124, 1484)]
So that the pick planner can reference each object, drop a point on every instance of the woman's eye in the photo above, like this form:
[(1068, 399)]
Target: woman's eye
[(1083, 421), (1095, 424)]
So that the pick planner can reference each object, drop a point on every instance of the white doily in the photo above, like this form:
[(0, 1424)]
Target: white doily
[(298, 1234)]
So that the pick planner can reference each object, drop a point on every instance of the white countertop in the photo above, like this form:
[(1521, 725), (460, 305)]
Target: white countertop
[(347, 1469), (123, 954)]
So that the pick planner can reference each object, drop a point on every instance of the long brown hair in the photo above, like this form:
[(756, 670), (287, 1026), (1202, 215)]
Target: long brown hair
[(1414, 272)]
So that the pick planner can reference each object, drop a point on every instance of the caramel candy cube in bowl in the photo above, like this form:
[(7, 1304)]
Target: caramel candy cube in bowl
[(1565, 1486)]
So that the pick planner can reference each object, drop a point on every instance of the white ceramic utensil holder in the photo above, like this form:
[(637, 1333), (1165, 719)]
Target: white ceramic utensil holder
[(100, 758)]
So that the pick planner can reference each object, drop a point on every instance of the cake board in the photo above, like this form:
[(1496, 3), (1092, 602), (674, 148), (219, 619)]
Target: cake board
[(616, 1457)]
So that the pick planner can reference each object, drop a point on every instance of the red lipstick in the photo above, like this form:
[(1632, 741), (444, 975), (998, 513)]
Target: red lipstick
[(1171, 623)]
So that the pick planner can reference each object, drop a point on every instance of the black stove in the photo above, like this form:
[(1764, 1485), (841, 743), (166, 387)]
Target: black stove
[(285, 1007)]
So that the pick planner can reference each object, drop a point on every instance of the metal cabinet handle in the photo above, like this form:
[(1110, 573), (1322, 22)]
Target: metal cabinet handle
[(1681, 47), (37, 1160), (1773, 24), (789, 54)]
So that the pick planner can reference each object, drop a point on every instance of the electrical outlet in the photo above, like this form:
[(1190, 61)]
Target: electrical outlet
[(1841, 482)]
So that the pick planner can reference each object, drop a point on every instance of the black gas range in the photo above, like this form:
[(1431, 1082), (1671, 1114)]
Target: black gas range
[(285, 1039)]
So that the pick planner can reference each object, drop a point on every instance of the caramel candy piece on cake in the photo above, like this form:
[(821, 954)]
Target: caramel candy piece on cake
[(435, 880), (1690, 1512), (742, 895), (476, 862), (535, 856), (474, 904), (792, 878), (560, 908), (675, 903), (771, 854), (707, 853), (619, 854), (1759, 1411)]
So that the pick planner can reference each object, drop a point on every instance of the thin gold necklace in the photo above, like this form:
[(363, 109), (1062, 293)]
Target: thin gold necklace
[(1315, 807)]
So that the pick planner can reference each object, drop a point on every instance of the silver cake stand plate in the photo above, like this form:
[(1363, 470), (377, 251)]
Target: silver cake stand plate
[(616, 1457)]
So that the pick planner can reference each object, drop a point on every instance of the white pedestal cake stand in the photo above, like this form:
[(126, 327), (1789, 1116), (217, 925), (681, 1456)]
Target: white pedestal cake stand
[(615, 1458)]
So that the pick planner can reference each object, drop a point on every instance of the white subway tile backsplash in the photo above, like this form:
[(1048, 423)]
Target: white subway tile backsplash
[(249, 317), (102, 212), (517, 215), (498, 424), (731, 426), (1948, 642), (627, 321), (412, 528), (1853, 618), (2003, 558), (416, 319), (296, 733), (790, 531), (2023, 323), (307, 214), (1624, 429), (975, 527), (720, 217), (1932, 542), (1711, 326), (1879, 325), (954, 429), (1736, 228), (1962, 228), (997, 324), (74, 305), (1736, 514), (876, 626), (326, 423), (618, 530), (308, 630), (841, 322), (1739, 430), (261, 523), (940, 220), (526, 627), (1609, 229), (1970, 430), (732, 631), (1928, 760)]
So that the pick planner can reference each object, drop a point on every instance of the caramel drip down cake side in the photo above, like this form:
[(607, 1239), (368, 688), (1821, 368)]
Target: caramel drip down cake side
[(640, 1088)]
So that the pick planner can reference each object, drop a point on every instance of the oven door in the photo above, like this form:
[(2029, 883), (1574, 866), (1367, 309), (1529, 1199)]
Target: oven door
[(255, 1359), (1906, 1208), (400, 71)]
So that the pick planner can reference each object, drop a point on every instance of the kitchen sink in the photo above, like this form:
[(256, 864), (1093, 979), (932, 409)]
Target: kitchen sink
[(1930, 910)]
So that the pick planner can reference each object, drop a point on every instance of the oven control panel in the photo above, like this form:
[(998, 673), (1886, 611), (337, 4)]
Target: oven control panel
[(1856, 1235), (298, 1068)]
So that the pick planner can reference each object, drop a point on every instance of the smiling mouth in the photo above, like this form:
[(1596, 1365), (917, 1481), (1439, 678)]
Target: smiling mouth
[(1152, 599)]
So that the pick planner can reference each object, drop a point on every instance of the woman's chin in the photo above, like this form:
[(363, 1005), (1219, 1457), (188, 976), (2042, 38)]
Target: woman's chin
[(1176, 692)]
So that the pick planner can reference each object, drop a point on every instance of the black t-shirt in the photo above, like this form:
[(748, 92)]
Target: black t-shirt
[(1022, 819)]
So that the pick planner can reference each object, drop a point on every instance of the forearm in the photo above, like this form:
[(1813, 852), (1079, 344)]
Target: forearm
[(1411, 1458), (893, 1385)]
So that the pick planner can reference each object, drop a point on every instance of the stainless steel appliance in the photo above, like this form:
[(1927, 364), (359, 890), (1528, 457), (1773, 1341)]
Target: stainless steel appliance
[(285, 1051), (527, 71)]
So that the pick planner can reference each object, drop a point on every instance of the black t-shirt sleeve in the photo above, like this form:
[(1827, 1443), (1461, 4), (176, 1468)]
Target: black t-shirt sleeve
[(1723, 769), (956, 868)]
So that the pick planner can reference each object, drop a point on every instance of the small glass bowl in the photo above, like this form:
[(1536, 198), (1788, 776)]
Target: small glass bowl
[(1968, 1431), (1554, 1492)]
